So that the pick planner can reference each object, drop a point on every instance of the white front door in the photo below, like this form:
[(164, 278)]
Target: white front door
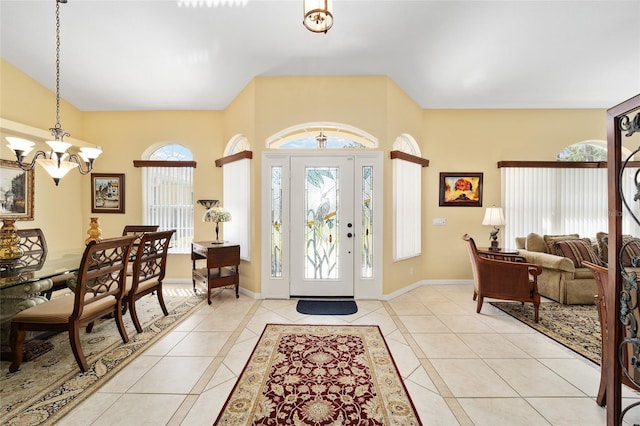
[(322, 226)]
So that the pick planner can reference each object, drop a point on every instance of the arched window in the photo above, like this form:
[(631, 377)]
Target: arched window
[(322, 135), (591, 150), (168, 193)]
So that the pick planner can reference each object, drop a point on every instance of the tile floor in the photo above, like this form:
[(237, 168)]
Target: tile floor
[(461, 368)]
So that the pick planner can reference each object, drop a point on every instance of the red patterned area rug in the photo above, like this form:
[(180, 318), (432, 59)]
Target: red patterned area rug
[(319, 375)]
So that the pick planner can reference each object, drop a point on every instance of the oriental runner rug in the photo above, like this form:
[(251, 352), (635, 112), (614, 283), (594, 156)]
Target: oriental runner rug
[(319, 375), (48, 387), (575, 326)]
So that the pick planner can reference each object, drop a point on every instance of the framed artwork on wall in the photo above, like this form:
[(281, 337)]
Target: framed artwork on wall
[(16, 192), (460, 189), (107, 193)]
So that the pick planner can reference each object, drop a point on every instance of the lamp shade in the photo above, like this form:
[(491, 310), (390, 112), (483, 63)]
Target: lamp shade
[(493, 216), (216, 214)]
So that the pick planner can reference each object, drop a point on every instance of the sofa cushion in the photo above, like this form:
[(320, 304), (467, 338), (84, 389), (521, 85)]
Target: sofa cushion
[(631, 250), (602, 239), (535, 242), (521, 243), (550, 239), (577, 250)]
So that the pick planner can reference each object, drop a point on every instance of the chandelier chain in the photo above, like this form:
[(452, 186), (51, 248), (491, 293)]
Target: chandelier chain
[(57, 126)]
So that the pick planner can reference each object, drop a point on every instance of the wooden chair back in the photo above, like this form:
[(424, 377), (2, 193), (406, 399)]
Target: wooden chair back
[(148, 271), (33, 245)]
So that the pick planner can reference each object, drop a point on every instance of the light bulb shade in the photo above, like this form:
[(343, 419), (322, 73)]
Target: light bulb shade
[(493, 216), (318, 15), (89, 153), (55, 171), (19, 144), (216, 214), (59, 146)]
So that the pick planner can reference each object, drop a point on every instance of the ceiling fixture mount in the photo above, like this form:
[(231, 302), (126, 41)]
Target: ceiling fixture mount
[(318, 15), (59, 162)]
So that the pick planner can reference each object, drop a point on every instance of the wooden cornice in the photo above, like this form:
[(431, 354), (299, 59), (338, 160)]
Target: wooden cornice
[(400, 155), (160, 163), (561, 164), (235, 157)]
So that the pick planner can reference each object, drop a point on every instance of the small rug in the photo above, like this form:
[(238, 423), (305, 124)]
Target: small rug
[(45, 389), (319, 375), (575, 326), (327, 307)]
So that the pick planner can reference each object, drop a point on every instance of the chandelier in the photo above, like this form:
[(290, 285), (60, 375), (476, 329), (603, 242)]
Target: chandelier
[(318, 15), (58, 162)]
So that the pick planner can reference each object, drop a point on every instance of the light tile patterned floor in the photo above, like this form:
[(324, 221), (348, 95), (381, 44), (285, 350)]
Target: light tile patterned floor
[(461, 368)]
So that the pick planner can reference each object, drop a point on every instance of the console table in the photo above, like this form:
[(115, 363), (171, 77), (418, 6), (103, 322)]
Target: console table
[(215, 265)]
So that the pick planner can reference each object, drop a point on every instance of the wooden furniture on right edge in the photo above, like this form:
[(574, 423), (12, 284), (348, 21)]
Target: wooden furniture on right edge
[(219, 265), (503, 279), (601, 275)]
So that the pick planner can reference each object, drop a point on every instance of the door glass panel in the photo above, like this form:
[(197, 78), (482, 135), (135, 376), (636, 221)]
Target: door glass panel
[(367, 222), (320, 234), (276, 222)]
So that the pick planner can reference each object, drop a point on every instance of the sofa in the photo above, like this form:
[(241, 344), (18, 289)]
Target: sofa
[(563, 277)]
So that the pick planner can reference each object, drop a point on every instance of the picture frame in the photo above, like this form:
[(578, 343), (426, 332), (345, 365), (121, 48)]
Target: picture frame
[(107, 193), (16, 191), (460, 189)]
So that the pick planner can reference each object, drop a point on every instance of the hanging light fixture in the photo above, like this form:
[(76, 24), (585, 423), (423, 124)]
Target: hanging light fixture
[(318, 15), (59, 162), (322, 140)]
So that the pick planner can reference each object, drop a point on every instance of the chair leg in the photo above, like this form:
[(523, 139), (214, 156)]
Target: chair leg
[(601, 398), (90, 327), (536, 309), (134, 315), (16, 341), (74, 340), (237, 289), (161, 301), (117, 313), (475, 295), (479, 304)]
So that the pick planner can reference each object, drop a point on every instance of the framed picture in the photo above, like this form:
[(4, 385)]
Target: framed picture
[(107, 193), (461, 189), (16, 192)]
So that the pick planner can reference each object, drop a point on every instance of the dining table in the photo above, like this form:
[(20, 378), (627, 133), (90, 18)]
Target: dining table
[(23, 284)]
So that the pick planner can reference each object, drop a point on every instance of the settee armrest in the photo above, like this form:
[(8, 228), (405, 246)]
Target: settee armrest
[(548, 261)]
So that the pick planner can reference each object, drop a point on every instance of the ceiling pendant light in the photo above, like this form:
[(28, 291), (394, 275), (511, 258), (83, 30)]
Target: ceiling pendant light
[(318, 15), (59, 162)]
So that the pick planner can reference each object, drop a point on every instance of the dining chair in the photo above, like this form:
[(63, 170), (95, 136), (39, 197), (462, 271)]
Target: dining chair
[(34, 247), (509, 279), (149, 267), (137, 231), (99, 292)]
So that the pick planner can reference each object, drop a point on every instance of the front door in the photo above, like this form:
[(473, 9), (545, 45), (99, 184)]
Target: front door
[(322, 226)]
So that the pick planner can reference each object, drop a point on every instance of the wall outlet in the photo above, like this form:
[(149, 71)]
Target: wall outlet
[(439, 221)]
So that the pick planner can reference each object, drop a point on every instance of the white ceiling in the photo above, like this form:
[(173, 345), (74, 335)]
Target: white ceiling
[(160, 54)]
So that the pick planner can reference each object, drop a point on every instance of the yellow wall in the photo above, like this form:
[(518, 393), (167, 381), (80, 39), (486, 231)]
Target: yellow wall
[(452, 140)]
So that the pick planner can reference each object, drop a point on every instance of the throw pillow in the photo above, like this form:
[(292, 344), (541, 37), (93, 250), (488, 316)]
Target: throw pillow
[(550, 239), (577, 250), (602, 239), (631, 250), (535, 242)]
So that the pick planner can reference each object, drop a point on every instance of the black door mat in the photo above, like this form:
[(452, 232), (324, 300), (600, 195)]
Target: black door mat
[(327, 307)]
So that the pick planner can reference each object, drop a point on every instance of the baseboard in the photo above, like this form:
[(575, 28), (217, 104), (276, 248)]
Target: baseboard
[(421, 283)]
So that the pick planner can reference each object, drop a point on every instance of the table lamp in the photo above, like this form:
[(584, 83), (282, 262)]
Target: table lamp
[(217, 214), (493, 216)]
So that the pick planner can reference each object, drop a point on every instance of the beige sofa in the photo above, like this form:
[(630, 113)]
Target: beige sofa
[(560, 279)]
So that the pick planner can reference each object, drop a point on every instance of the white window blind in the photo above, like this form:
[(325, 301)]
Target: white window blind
[(407, 213), (169, 203), (559, 201), (236, 186)]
